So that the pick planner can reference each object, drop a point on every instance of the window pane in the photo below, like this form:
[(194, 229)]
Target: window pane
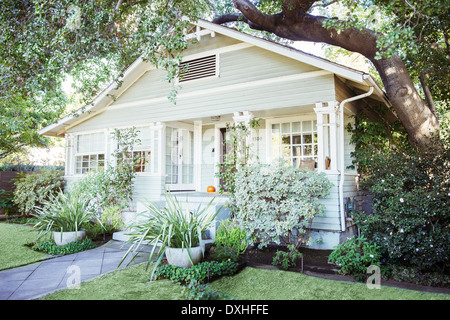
[(306, 126), (307, 138), (285, 128), (296, 127), (276, 140), (296, 151), (296, 139), (275, 128), (286, 152), (275, 152), (93, 142), (286, 140), (307, 151)]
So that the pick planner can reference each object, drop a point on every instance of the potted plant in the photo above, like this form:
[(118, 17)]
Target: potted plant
[(63, 215), (174, 229)]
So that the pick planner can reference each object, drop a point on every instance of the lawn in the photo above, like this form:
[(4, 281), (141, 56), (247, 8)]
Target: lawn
[(13, 252), (132, 283), (250, 284)]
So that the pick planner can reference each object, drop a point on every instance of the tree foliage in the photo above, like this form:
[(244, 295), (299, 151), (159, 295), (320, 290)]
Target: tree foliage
[(46, 43)]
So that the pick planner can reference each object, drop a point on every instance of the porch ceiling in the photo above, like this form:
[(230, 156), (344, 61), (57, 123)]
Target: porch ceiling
[(273, 113)]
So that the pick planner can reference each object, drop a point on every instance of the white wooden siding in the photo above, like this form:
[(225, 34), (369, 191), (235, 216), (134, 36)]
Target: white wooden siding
[(330, 219)]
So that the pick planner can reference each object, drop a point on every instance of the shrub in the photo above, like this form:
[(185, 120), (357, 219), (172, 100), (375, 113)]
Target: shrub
[(31, 190), (230, 240), (411, 196), (277, 202), (51, 248), (354, 256), (65, 212), (172, 225), (113, 187), (197, 291), (7, 205), (287, 259), (201, 272)]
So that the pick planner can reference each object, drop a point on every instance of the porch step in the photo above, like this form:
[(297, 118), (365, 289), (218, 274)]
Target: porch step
[(124, 237), (121, 236)]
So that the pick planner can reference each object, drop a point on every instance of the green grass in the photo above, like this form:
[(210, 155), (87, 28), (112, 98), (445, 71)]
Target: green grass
[(260, 284), (250, 284), (131, 283), (13, 252)]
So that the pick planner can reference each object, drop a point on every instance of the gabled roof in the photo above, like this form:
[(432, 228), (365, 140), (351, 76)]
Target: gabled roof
[(139, 67)]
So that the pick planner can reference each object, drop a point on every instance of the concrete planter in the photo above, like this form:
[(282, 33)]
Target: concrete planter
[(180, 257), (63, 238)]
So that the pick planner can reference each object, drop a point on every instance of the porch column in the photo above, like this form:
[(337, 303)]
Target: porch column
[(327, 134), (244, 118), (198, 155), (70, 154), (320, 140)]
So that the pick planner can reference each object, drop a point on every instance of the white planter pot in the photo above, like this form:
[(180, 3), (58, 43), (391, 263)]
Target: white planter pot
[(63, 238), (180, 257)]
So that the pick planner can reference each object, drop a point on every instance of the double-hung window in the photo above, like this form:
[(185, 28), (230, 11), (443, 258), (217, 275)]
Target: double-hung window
[(141, 154), (294, 141), (90, 153)]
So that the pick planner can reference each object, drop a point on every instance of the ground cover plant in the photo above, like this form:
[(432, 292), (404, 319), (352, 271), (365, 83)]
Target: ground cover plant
[(51, 248)]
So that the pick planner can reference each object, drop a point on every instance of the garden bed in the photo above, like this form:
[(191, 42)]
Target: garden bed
[(315, 263), (313, 260)]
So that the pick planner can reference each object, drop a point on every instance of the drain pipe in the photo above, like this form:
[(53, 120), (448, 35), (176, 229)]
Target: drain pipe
[(342, 155)]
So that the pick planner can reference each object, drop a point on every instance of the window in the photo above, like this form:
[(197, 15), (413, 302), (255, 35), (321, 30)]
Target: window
[(295, 142), (90, 153), (141, 160), (200, 68), (141, 154)]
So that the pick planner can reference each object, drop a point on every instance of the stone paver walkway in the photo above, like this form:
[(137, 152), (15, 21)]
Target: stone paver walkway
[(38, 279)]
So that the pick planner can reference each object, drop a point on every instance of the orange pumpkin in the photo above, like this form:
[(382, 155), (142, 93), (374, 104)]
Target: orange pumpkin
[(210, 189)]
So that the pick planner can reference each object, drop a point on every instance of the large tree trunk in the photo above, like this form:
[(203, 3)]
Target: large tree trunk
[(294, 23)]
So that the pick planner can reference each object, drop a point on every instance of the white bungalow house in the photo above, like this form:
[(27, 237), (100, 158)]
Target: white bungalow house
[(304, 99)]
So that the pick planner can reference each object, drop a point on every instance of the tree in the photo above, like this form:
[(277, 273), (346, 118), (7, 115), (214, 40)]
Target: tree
[(44, 43), (291, 19), (93, 42)]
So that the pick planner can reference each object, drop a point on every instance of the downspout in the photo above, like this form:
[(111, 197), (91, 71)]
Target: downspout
[(342, 155)]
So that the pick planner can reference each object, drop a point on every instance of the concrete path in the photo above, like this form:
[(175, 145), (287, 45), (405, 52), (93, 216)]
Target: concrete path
[(41, 278)]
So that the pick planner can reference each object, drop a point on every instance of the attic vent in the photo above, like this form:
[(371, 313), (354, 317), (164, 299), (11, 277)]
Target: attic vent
[(198, 69)]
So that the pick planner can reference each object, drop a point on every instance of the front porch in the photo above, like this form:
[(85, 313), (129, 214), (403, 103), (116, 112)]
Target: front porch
[(186, 155)]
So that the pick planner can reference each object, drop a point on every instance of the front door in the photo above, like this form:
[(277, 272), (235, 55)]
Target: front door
[(179, 159)]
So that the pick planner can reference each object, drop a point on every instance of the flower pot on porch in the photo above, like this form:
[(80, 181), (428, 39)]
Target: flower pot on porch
[(63, 238), (180, 257)]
